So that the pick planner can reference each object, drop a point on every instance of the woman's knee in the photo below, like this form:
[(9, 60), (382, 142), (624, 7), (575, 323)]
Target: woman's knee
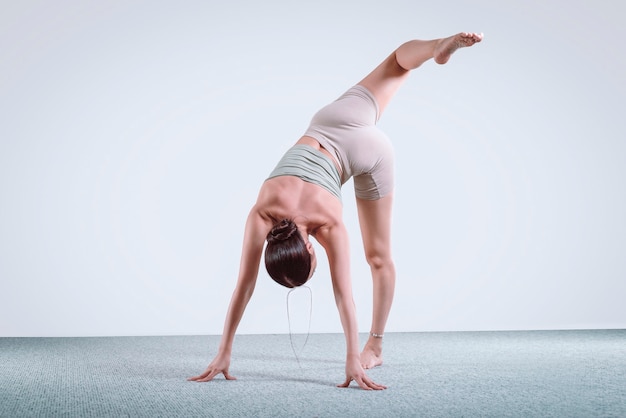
[(378, 260)]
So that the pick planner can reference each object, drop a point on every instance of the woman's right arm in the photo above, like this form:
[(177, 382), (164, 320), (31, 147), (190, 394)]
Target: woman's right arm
[(254, 239)]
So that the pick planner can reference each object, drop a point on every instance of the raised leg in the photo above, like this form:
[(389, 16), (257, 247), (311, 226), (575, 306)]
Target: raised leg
[(385, 80), (375, 223)]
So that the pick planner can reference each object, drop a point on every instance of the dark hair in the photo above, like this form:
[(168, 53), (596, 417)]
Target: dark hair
[(287, 259)]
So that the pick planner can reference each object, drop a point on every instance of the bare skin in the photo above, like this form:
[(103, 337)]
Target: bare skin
[(375, 216), (447, 46), (318, 213)]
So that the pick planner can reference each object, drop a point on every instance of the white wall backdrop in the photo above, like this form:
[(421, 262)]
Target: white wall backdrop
[(134, 136)]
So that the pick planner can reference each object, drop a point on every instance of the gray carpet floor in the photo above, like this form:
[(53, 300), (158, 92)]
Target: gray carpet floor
[(455, 374)]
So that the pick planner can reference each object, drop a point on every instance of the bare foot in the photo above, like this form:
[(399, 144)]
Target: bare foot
[(371, 358), (446, 46)]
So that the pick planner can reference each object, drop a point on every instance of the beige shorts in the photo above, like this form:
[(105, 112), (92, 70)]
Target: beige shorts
[(347, 129)]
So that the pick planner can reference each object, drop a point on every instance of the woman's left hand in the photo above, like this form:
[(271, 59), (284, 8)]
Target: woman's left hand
[(354, 371)]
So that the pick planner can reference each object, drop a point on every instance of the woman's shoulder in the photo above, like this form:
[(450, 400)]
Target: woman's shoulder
[(293, 193)]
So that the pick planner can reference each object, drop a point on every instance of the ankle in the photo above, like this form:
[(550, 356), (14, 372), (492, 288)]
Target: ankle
[(374, 343), (376, 335)]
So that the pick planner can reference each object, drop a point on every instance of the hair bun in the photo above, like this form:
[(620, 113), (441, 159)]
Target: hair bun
[(282, 231)]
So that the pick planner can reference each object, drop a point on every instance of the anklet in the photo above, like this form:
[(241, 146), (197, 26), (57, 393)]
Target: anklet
[(373, 334)]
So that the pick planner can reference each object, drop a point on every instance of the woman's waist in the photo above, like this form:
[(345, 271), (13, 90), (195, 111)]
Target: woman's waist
[(310, 164), (316, 144)]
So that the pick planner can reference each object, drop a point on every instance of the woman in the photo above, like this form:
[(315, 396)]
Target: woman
[(301, 198)]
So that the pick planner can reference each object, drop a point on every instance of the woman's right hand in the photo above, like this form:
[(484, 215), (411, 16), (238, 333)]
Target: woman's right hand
[(220, 364), (354, 371)]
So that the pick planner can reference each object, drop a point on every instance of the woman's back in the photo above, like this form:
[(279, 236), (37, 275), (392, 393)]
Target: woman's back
[(290, 197)]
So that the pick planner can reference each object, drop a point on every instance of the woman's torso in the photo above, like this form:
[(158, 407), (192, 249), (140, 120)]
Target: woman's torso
[(308, 204)]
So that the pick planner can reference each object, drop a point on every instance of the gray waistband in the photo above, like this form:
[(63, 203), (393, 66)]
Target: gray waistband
[(310, 165)]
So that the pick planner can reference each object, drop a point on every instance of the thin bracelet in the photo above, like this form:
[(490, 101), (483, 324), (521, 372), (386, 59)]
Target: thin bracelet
[(373, 334)]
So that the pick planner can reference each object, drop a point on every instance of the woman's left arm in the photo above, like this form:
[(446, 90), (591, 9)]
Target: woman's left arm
[(336, 243)]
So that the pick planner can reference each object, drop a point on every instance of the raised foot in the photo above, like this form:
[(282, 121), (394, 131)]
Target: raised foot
[(446, 46), (370, 359)]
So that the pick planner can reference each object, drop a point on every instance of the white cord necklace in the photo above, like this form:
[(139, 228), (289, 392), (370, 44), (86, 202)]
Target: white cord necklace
[(295, 352)]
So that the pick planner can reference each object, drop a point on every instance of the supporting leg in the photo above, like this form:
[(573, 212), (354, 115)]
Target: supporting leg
[(375, 222)]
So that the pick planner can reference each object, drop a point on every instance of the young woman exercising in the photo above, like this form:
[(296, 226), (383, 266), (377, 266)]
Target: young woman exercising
[(302, 198)]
